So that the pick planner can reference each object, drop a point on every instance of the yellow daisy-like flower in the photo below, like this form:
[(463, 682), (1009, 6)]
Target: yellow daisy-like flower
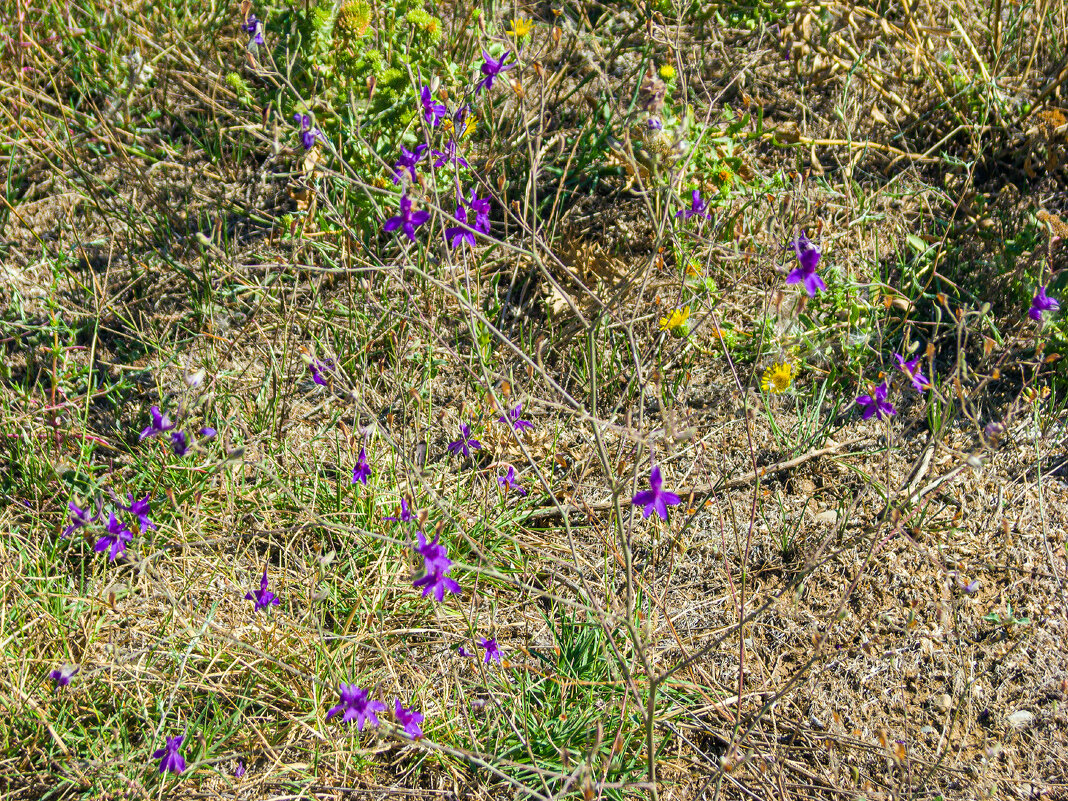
[(676, 322), (520, 28), (778, 378), (667, 72), (469, 126)]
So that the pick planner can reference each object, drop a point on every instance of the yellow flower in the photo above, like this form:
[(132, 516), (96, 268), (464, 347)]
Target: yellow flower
[(469, 126), (520, 28), (667, 72), (676, 322), (778, 378)]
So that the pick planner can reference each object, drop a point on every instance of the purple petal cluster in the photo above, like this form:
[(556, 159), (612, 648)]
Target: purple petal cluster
[(466, 443), (876, 405), (140, 509), (493, 653), (436, 565), (264, 597), (912, 370), (356, 705), (320, 369), (63, 674), (114, 542), (254, 28), (408, 719), (433, 112), (491, 69), (808, 256), (698, 207), (655, 499), (160, 424), (407, 220), (170, 759), (362, 471), (308, 135), (508, 481), (1040, 304), (513, 420), (80, 517), (407, 161), (405, 515), (448, 154)]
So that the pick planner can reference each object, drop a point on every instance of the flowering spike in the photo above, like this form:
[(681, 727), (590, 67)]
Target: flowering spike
[(362, 471), (264, 597), (808, 256)]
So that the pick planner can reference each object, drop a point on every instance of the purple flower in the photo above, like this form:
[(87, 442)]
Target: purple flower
[(80, 517), (513, 419), (254, 28), (356, 706), (207, 432), (448, 154), (170, 759), (180, 443), (911, 368), (63, 674), (405, 515), (319, 367), (362, 471), (456, 235), (655, 499), (481, 207), (808, 256), (407, 220), (239, 771), (465, 443), (877, 404), (437, 583), (461, 651), (435, 555), (161, 423), (654, 124), (508, 481), (433, 112), (114, 542), (492, 651), (1040, 303), (408, 719), (140, 510), (264, 597), (308, 135), (491, 69), (407, 161), (698, 207)]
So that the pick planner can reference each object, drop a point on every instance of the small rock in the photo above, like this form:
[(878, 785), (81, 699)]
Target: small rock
[(830, 517)]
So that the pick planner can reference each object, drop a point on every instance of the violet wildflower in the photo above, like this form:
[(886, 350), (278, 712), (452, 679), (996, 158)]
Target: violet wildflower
[(513, 420), (161, 424), (308, 135), (264, 597), (362, 471), (408, 719), (465, 443), (448, 154), (438, 584), (508, 481), (63, 674), (456, 235), (114, 542), (140, 510), (1041, 303), (433, 112), (80, 517), (435, 555), (180, 443), (254, 28), (461, 651), (481, 207), (654, 124), (492, 651), (356, 706), (491, 69), (170, 759), (407, 220), (407, 161), (239, 771), (698, 207), (877, 405), (912, 368), (405, 515), (207, 432), (318, 369), (655, 499), (808, 256)]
